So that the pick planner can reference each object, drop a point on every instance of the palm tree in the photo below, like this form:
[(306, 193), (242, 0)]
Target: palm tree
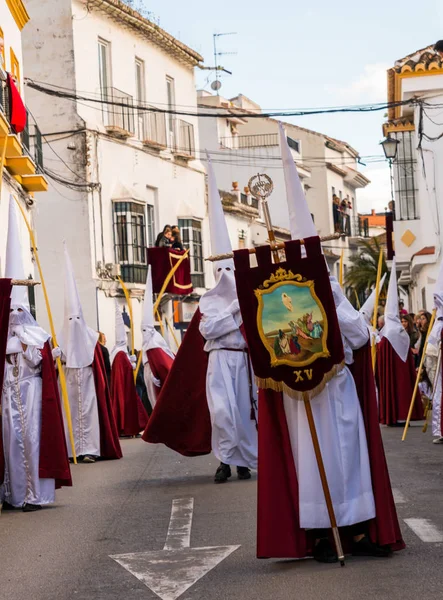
[(362, 274)]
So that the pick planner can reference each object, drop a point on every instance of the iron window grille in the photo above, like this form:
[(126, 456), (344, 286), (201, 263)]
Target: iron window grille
[(191, 232), (130, 240)]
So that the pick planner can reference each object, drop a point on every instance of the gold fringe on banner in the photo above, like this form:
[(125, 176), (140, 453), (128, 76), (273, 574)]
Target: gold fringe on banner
[(279, 386)]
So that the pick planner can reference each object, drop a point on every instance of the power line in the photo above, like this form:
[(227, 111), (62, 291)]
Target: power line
[(72, 95)]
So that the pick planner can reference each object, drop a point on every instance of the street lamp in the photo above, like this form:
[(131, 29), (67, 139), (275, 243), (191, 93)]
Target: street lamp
[(390, 146)]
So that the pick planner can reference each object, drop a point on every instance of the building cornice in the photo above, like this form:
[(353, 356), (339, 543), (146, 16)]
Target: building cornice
[(128, 17), (19, 12)]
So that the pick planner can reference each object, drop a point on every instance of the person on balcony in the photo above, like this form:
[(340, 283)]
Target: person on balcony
[(164, 237), (176, 239)]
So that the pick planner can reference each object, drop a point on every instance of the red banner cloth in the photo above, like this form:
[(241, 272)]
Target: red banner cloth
[(130, 414), (396, 382), (18, 115), (280, 300), (5, 304), (162, 260)]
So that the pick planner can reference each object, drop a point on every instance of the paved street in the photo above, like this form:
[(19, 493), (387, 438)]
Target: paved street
[(124, 507)]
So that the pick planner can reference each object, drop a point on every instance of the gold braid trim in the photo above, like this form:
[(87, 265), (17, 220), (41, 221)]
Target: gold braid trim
[(280, 386)]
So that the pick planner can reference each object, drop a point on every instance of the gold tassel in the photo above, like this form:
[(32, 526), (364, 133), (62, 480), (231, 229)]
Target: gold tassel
[(280, 386)]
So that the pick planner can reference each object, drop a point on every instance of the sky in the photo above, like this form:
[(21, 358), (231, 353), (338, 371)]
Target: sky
[(293, 54)]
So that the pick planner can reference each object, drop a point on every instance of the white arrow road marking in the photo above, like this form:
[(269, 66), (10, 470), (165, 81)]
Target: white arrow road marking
[(171, 571), (425, 530)]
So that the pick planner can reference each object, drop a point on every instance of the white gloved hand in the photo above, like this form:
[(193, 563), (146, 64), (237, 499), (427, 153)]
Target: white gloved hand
[(14, 346), (56, 352), (156, 381), (234, 307), (133, 358)]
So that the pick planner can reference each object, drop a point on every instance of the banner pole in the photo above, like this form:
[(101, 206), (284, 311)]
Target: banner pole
[(375, 315), (61, 373)]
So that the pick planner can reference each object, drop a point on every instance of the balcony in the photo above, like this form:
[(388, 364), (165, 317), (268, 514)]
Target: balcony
[(119, 120), (262, 140), (152, 130), (185, 146)]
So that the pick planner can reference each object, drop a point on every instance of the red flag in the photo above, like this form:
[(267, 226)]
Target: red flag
[(18, 115)]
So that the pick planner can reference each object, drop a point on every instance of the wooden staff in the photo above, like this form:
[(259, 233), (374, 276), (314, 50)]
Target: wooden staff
[(419, 372), (277, 246), (61, 373), (375, 315), (263, 193), (171, 329)]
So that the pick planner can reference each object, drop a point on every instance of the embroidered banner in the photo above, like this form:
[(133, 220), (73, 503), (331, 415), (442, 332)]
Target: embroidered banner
[(162, 260), (290, 319)]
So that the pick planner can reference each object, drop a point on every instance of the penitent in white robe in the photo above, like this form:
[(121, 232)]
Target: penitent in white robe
[(341, 431), (22, 415), (432, 365), (84, 412), (234, 433)]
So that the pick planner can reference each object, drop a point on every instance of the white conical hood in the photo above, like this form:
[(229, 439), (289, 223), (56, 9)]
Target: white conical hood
[(150, 336), (121, 342), (14, 268), (225, 291), (393, 330), (367, 310), (300, 220), (218, 230), (77, 341), (21, 323)]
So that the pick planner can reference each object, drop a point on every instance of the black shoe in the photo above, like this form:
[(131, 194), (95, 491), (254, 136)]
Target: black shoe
[(31, 507), (367, 548), (7, 506), (324, 552), (243, 473), (222, 474)]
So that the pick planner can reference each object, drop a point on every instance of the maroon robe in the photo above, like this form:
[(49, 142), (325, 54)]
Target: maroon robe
[(109, 442), (181, 418), (54, 461), (278, 533), (130, 414), (5, 304), (396, 381), (160, 363)]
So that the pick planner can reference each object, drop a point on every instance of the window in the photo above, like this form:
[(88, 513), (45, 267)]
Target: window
[(170, 93), (191, 231), (333, 191), (15, 68), (150, 222), (130, 240), (140, 96), (423, 298), (294, 144), (104, 66), (404, 177)]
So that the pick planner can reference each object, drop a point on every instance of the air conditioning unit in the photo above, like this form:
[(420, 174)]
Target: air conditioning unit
[(113, 269)]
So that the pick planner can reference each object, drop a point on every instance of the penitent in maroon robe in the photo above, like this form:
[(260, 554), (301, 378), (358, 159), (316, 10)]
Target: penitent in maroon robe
[(396, 381), (279, 534), (130, 414)]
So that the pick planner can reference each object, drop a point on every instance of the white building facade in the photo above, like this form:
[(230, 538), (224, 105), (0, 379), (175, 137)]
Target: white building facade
[(418, 180), (120, 173), (241, 146), (20, 153)]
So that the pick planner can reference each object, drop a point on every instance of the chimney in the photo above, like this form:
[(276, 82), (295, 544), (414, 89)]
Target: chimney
[(373, 212)]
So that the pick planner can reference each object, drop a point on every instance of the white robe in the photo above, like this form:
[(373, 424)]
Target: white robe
[(341, 432), (234, 433), (431, 367), (22, 414), (84, 412)]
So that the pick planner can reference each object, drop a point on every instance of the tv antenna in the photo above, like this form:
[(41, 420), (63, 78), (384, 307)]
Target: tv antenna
[(216, 85)]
